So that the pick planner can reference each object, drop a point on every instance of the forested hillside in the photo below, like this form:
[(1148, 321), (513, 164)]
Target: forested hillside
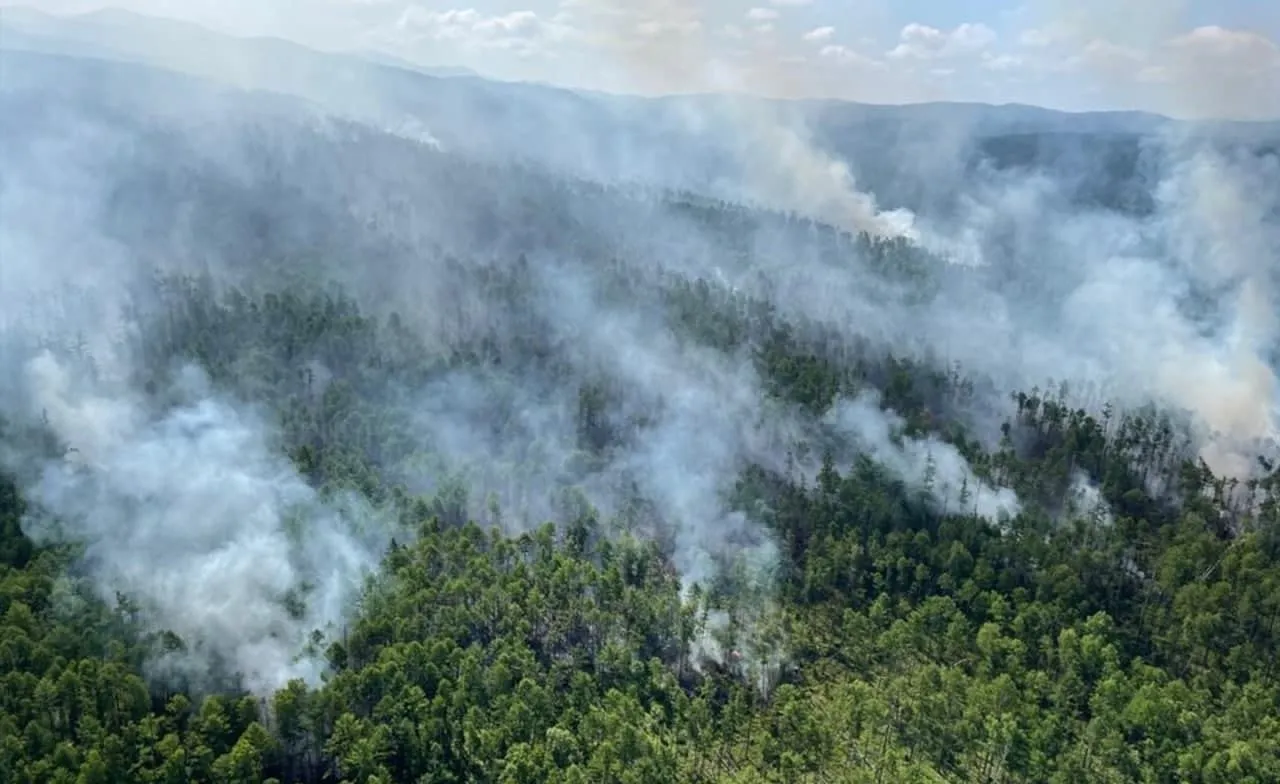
[(332, 456), (901, 641)]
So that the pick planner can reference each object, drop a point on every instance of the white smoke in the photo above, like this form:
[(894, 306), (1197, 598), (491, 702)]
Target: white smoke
[(1109, 308), (194, 518), (927, 464), (1085, 500)]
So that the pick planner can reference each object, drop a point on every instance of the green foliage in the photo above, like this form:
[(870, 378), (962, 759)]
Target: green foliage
[(903, 643)]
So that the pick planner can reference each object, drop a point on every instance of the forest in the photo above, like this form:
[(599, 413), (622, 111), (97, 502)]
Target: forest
[(328, 456), (900, 642)]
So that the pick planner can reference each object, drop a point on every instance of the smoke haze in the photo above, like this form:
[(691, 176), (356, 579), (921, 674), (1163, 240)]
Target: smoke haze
[(193, 517), (432, 200)]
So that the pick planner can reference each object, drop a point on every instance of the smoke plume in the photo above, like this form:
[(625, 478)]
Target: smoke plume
[(927, 464), (411, 194), (205, 529)]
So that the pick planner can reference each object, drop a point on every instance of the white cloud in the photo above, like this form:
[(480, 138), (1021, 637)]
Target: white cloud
[(613, 22), (663, 28), (1213, 71), (921, 42), (845, 56), (1001, 62), (520, 32), (1109, 58), (1037, 38), (1209, 71), (819, 34), (1085, 54), (1218, 47), (1203, 70)]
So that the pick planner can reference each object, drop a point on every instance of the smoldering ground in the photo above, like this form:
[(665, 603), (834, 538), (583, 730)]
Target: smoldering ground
[(1049, 289)]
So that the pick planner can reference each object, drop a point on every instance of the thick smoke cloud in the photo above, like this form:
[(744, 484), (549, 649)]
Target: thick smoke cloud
[(686, 421), (1214, 221), (1173, 306), (779, 165), (209, 532), (183, 503), (183, 506)]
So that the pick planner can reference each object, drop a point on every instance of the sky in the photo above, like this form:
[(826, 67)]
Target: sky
[(1186, 58)]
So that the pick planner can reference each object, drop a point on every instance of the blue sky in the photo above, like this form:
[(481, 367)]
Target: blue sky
[(1182, 57)]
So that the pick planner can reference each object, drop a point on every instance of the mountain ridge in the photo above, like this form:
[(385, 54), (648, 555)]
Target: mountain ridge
[(97, 26)]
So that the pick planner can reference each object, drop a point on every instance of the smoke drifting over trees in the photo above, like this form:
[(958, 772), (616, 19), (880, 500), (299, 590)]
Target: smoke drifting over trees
[(192, 516), (270, 344)]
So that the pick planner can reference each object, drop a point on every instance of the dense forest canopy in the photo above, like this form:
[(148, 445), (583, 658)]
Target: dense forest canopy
[(332, 452)]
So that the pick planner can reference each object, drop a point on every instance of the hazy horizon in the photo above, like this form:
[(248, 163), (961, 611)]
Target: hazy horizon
[(1183, 61)]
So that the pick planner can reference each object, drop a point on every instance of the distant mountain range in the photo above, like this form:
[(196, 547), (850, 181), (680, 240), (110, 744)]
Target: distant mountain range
[(276, 64), (594, 135)]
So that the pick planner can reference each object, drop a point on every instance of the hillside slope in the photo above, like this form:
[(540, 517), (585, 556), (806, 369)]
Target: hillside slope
[(331, 452)]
